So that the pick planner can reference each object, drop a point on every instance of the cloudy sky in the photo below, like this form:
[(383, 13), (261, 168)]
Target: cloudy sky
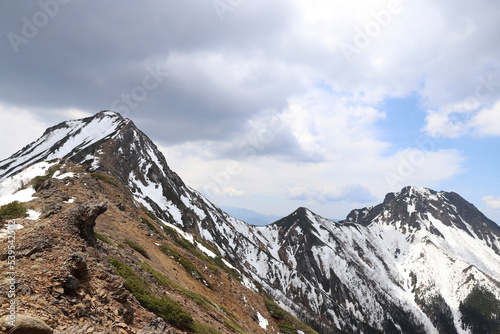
[(272, 105)]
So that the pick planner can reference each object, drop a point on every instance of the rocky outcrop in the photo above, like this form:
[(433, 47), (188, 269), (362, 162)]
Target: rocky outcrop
[(82, 217)]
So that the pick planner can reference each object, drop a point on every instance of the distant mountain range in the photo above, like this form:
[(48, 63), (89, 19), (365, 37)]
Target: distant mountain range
[(410, 264), (250, 216)]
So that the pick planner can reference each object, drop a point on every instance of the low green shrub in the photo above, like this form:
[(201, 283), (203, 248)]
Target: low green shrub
[(214, 263), (151, 215), (187, 245), (287, 323), (38, 181), (104, 239), (258, 286), (166, 283), (170, 252), (234, 326), (225, 310), (137, 247), (13, 210), (164, 307), (170, 232), (190, 268), (287, 328), (213, 268), (274, 310), (150, 225), (200, 328)]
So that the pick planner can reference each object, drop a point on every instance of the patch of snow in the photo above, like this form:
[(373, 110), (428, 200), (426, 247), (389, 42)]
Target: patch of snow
[(155, 193), (189, 237), (95, 161), (228, 264), (65, 175), (248, 283), (24, 195), (411, 208), (12, 184), (154, 158), (205, 250), (83, 135), (263, 322), (199, 212), (33, 215), (69, 201), (78, 133), (5, 231), (175, 212)]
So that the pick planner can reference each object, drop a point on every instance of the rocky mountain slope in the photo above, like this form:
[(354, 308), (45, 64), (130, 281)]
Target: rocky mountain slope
[(407, 265), (90, 259)]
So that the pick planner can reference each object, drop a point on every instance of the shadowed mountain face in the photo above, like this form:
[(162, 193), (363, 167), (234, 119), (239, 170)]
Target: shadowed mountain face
[(403, 266)]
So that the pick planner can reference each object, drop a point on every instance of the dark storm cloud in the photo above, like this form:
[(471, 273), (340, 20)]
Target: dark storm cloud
[(87, 55), (202, 99)]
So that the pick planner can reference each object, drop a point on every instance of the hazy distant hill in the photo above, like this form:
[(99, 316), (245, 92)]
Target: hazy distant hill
[(250, 216)]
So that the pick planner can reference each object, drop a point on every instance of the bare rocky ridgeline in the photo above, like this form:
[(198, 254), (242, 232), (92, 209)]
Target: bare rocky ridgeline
[(65, 283)]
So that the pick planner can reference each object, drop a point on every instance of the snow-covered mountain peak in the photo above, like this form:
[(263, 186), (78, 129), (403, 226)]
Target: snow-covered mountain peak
[(87, 129), (443, 219), (75, 139), (417, 191), (302, 219)]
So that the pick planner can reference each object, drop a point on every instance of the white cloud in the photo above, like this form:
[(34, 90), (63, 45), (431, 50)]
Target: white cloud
[(23, 126), (492, 202), (487, 121), (333, 127), (441, 124), (335, 155), (351, 193), (297, 193), (227, 192), (19, 128), (460, 120), (74, 113), (415, 166)]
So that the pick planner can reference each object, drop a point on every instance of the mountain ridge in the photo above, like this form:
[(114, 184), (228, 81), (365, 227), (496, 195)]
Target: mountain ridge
[(388, 268), (412, 200)]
